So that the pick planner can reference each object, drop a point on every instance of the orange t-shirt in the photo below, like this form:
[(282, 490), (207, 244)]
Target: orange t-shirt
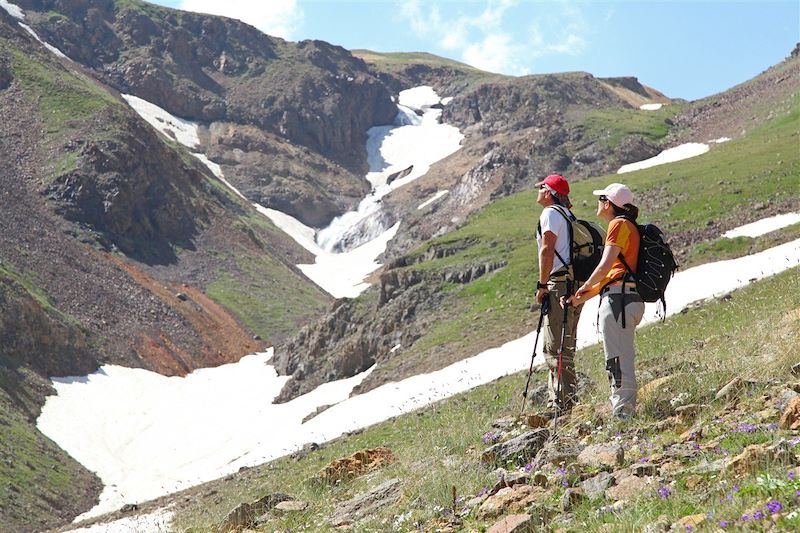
[(622, 233)]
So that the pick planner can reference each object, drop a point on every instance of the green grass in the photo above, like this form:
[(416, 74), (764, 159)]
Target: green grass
[(614, 125), (29, 459), (438, 447), (65, 98), (262, 293)]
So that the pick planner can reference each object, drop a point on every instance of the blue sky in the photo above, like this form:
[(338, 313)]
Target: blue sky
[(684, 49)]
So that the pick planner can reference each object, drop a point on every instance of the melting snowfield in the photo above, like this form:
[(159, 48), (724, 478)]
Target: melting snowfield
[(397, 154), (179, 432)]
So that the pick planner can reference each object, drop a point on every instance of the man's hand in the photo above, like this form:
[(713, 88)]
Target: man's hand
[(541, 294)]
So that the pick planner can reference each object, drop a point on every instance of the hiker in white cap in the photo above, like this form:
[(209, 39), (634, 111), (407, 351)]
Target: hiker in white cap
[(621, 307)]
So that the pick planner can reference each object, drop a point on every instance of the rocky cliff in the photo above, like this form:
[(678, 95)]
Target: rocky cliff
[(262, 89)]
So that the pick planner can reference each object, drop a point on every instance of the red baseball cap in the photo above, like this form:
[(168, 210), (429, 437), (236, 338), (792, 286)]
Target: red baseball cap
[(555, 182)]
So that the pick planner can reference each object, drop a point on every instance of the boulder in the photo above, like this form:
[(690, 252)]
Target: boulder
[(790, 419), (509, 500), (356, 464), (510, 480), (695, 521), (758, 456), (245, 514), (571, 498), (595, 487), (291, 506), (523, 447), (630, 488), (387, 493), (602, 455), (515, 523)]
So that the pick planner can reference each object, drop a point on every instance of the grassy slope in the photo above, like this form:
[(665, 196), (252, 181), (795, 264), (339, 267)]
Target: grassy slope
[(764, 165), (754, 334), (438, 447)]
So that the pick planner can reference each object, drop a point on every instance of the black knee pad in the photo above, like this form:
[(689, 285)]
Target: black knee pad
[(614, 372)]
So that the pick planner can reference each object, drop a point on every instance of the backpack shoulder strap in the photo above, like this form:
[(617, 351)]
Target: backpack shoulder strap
[(570, 219)]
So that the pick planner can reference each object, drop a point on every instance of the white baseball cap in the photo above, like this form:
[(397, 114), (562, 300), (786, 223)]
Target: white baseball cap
[(617, 193)]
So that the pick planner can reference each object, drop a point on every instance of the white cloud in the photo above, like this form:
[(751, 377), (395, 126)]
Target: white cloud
[(487, 40), (496, 53), (279, 18)]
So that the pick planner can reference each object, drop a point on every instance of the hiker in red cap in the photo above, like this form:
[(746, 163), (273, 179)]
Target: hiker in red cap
[(555, 276)]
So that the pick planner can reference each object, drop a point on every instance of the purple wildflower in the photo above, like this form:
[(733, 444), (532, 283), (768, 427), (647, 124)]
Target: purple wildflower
[(758, 515), (736, 488), (484, 490), (795, 441), (797, 493), (689, 527), (745, 517), (561, 470), (791, 475), (774, 506), (644, 460), (772, 427), (564, 483), (664, 492), (696, 446), (527, 468), (488, 437), (723, 523)]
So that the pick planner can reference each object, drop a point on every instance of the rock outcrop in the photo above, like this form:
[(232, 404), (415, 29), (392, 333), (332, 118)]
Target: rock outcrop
[(211, 69)]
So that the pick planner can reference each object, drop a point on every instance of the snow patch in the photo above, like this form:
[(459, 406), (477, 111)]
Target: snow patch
[(342, 275), (179, 432), (720, 140), (764, 226), (12, 9), (678, 153), (397, 155), (419, 97), (49, 46), (183, 131), (651, 107), (432, 199)]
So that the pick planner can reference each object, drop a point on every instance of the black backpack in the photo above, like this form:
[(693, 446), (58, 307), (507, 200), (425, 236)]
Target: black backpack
[(655, 267), (587, 240)]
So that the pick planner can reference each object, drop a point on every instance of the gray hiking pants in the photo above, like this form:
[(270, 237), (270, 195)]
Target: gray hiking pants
[(563, 397), (618, 346)]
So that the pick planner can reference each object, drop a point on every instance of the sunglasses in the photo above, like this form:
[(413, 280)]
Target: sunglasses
[(602, 198)]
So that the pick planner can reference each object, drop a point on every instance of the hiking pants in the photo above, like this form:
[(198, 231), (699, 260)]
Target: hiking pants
[(618, 346), (566, 397)]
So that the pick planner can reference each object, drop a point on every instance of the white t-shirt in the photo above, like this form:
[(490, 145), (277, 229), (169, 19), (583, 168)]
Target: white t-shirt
[(552, 220)]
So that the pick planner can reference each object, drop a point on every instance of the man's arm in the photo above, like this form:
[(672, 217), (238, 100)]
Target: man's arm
[(546, 256)]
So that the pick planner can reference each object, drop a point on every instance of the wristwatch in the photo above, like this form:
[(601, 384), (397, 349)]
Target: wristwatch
[(540, 285)]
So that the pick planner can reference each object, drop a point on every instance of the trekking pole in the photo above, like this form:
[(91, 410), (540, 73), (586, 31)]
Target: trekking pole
[(544, 310), (561, 358)]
